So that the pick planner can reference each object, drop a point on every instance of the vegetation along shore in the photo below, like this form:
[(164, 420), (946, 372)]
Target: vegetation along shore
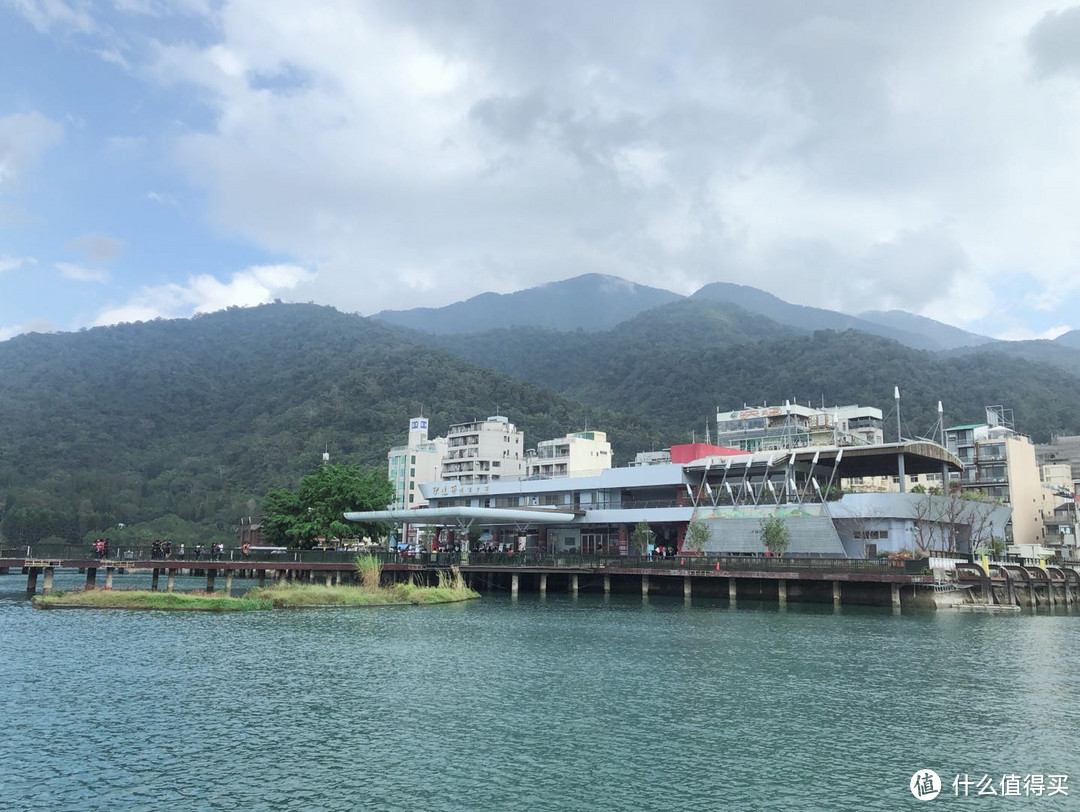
[(451, 588)]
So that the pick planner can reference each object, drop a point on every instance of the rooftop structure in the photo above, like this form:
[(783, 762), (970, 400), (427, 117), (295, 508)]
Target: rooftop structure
[(769, 428), (580, 453)]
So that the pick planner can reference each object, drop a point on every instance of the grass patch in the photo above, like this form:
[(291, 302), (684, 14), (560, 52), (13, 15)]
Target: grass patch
[(451, 588), (144, 599)]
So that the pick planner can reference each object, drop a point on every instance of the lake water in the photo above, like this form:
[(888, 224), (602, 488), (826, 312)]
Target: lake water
[(529, 703)]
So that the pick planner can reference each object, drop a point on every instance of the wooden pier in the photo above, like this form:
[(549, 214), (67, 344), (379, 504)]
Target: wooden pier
[(839, 582)]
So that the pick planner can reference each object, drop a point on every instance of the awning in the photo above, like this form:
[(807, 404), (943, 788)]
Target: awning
[(511, 516)]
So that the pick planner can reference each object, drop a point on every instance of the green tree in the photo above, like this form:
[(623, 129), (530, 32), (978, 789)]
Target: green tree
[(697, 536), (775, 535), (316, 509), (641, 537)]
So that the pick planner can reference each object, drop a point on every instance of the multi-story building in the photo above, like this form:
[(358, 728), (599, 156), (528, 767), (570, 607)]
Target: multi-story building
[(582, 453), (484, 451), (773, 428), (1000, 462), (410, 465), (731, 492)]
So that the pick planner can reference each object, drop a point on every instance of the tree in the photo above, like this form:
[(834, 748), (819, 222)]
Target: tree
[(697, 536), (775, 535), (316, 509), (641, 537)]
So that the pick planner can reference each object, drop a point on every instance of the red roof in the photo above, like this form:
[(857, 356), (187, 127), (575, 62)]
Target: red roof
[(688, 452)]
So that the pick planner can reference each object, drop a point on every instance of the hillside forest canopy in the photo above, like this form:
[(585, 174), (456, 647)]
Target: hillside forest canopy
[(180, 428)]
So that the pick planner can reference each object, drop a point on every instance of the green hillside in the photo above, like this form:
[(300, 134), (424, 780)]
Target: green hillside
[(677, 364), (188, 422)]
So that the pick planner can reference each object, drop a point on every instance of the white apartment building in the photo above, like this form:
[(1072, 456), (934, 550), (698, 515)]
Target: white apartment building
[(416, 463), (581, 453), (484, 451)]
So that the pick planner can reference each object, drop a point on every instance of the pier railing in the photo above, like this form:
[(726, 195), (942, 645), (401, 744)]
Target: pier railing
[(569, 561)]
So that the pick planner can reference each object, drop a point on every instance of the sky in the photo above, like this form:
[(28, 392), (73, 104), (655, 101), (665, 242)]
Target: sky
[(162, 159)]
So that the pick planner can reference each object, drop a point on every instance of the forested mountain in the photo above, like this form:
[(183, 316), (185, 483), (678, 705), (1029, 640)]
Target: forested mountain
[(942, 336), (679, 363), (180, 427), (187, 423), (587, 302), (595, 302), (803, 317)]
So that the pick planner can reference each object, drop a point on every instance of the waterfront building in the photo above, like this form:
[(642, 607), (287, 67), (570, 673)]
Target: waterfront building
[(484, 451), (1000, 462), (581, 453), (770, 428), (731, 492), (416, 462)]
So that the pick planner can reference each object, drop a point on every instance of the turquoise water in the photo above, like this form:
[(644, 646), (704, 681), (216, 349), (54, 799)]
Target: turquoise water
[(547, 704)]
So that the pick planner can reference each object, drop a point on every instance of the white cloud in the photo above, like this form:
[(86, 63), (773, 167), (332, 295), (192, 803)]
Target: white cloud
[(1024, 334), (14, 263), (47, 14), (77, 273), (24, 137), (204, 293), (855, 156)]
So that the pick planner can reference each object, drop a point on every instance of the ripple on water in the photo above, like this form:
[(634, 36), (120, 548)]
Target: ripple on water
[(557, 704)]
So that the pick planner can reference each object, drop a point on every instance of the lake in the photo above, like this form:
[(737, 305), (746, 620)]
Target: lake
[(553, 703)]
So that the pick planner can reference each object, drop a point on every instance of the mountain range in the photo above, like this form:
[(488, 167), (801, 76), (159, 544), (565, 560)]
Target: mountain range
[(179, 427)]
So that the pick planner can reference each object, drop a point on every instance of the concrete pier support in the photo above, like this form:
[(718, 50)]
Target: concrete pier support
[(607, 584), (262, 577), (781, 592), (31, 580), (337, 578), (170, 582), (109, 576), (543, 583), (329, 579), (573, 584), (686, 587), (154, 576), (732, 591), (46, 585), (895, 596), (228, 582), (644, 586), (514, 583), (211, 575), (91, 577), (835, 593)]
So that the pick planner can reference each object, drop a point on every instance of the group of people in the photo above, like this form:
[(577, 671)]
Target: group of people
[(162, 549), (662, 551)]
